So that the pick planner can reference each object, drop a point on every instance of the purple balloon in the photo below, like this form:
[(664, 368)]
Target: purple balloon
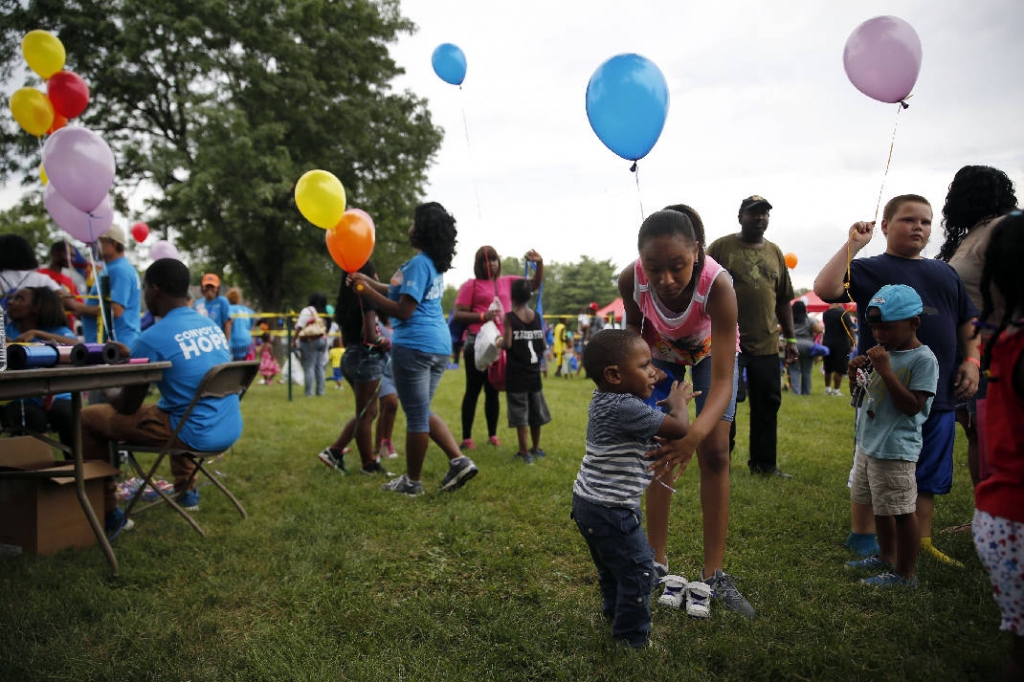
[(80, 165), (163, 249), (85, 227), (883, 58)]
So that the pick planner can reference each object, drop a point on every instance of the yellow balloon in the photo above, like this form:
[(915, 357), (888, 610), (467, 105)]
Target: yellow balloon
[(320, 198), (42, 175), (44, 52), (32, 110)]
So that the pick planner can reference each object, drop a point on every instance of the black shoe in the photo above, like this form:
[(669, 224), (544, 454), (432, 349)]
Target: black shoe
[(769, 471)]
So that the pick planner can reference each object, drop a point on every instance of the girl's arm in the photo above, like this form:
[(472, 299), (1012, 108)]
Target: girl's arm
[(37, 335), (721, 308), (631, 315), (968, 374)]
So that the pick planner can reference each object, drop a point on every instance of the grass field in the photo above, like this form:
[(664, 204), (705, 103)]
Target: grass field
[(332, 579)]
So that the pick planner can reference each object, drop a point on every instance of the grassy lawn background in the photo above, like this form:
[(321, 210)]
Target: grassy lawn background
[(332, 579)]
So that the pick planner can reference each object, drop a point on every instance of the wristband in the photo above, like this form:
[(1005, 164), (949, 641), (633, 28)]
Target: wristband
[(790, 340), (974, 361), (482, 316)]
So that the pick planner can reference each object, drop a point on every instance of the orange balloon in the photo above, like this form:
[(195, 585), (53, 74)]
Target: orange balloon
[(350, 242), (790, 260), (58, 123)]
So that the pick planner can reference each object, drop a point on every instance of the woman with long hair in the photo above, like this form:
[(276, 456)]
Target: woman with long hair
[(421, 345), (474, 306)]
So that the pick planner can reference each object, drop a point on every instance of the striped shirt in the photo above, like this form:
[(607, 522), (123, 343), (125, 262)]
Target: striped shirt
[(620, 429)]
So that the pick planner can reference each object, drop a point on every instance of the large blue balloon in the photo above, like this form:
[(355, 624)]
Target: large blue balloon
[(449, 63), (627, 102)]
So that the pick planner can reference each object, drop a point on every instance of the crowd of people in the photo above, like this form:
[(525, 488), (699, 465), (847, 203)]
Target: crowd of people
[(934, 342)]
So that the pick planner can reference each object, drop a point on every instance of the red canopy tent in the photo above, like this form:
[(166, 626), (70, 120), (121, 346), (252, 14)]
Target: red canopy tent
[(815, 304), (615, 307)]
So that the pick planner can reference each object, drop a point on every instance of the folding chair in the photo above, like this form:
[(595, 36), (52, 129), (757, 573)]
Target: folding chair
[(230, 378)]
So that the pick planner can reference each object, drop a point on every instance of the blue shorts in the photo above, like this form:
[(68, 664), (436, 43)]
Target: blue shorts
[(387, 381), (361, 366), (417, 375), (700, 377), (935, 465)]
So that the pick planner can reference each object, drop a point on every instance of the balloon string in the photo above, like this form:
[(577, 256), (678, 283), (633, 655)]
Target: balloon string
[(635, 170), (888, 161), (472, 165)]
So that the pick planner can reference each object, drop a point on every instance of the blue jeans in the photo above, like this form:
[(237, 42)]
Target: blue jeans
[(311, 354), (700, 377), (625, 566), (416, 376), (800, 374)]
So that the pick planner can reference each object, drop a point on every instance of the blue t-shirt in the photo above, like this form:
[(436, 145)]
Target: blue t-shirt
[(426, 329), (885, 432), (241, 327), (940, 288), (192, 344), (218, 310), (124, 290), (620, 429)]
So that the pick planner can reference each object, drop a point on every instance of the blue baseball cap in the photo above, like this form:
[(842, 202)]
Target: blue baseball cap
[(896, 302)]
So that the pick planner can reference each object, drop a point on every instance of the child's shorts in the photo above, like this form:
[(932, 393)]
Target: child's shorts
[(1002, 558), (888, 485), (337, 374), (527, 409)]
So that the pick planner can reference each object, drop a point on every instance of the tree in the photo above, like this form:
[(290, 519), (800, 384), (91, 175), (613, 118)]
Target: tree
[(570, 286), (222, 106)]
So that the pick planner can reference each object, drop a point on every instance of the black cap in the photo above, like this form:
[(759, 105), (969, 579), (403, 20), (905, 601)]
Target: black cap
[(752, 201)]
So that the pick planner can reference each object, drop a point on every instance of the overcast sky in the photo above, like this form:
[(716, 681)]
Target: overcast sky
[(759, 104)]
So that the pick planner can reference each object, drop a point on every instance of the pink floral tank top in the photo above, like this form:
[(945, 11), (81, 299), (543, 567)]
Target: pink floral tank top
[(683, 338)]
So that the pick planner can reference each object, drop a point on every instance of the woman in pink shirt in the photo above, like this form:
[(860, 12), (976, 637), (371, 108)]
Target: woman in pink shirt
[(473, 307)]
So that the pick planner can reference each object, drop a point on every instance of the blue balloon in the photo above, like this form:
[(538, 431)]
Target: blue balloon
[(627, 102), (449, 63)]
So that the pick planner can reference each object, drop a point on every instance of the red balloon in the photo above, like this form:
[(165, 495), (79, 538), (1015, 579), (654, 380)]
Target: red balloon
[(350, 242), (68, 93), (140, 231)]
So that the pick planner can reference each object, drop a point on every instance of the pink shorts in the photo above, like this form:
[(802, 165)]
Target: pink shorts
[(1003, 558)]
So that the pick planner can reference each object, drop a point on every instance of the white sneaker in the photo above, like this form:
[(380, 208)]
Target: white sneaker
[(675, 591), (698, 599)]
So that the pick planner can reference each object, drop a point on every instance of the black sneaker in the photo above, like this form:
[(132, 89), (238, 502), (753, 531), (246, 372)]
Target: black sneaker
[(335, 461), (460, 470), (769, 471), (375, 468), (723, 589)]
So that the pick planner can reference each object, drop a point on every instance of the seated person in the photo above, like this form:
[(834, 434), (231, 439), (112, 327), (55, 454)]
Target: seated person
[(37, 314), (192, 344)]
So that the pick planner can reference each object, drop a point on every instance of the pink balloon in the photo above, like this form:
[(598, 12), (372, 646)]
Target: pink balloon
[(163, 249), (363, 214), (883, 58), (80, 166), (84, 227)]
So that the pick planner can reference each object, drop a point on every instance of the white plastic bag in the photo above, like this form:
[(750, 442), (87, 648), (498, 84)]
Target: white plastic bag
[(294, 367), (485, 349)]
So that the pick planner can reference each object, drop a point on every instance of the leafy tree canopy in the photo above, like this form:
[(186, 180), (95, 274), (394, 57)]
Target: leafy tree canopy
[(222, 106)]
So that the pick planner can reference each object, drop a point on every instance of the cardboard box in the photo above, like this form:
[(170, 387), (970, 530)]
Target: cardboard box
[(43, 515)]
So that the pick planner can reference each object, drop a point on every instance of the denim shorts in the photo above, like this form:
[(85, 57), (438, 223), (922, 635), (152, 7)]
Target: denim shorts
[(387, 381), (417, 375), (700, 377), (360, 366)]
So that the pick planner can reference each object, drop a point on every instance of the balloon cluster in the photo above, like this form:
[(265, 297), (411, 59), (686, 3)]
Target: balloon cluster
[(78, 167), (350, 233)]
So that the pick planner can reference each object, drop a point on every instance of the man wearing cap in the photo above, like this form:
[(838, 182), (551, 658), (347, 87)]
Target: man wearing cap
[(214, 306), (119, 283), (763, 293)]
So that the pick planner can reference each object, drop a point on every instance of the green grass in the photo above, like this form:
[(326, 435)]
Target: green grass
[(331, 579)]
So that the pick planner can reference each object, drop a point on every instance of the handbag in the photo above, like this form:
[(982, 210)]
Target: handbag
[(314, 328), (496, 372)]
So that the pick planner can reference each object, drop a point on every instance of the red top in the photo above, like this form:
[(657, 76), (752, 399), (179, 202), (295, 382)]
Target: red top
[(1002, 493)]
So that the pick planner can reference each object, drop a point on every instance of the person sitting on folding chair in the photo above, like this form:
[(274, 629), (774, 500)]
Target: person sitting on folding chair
[(192, 344)]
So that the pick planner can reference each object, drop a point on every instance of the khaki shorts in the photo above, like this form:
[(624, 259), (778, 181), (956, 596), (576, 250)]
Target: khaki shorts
[(888, 485)]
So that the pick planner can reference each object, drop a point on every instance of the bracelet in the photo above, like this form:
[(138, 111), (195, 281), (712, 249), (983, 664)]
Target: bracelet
[(974, 361), (790, 340)]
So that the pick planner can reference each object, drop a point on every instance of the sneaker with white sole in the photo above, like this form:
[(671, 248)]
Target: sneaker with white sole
[(403, 485), (890, 579), (872, 563), (460, 470), (698, 599), (335, 461), (675, 591), (724, 590)]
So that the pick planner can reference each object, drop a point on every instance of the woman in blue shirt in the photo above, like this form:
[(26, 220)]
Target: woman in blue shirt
[(421, 344)]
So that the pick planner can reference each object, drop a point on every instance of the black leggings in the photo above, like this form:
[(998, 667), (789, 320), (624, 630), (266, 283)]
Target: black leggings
[(476, 380)]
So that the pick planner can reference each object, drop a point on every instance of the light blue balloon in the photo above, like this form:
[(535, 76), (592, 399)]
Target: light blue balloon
[(449, 63), (627, 103)]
